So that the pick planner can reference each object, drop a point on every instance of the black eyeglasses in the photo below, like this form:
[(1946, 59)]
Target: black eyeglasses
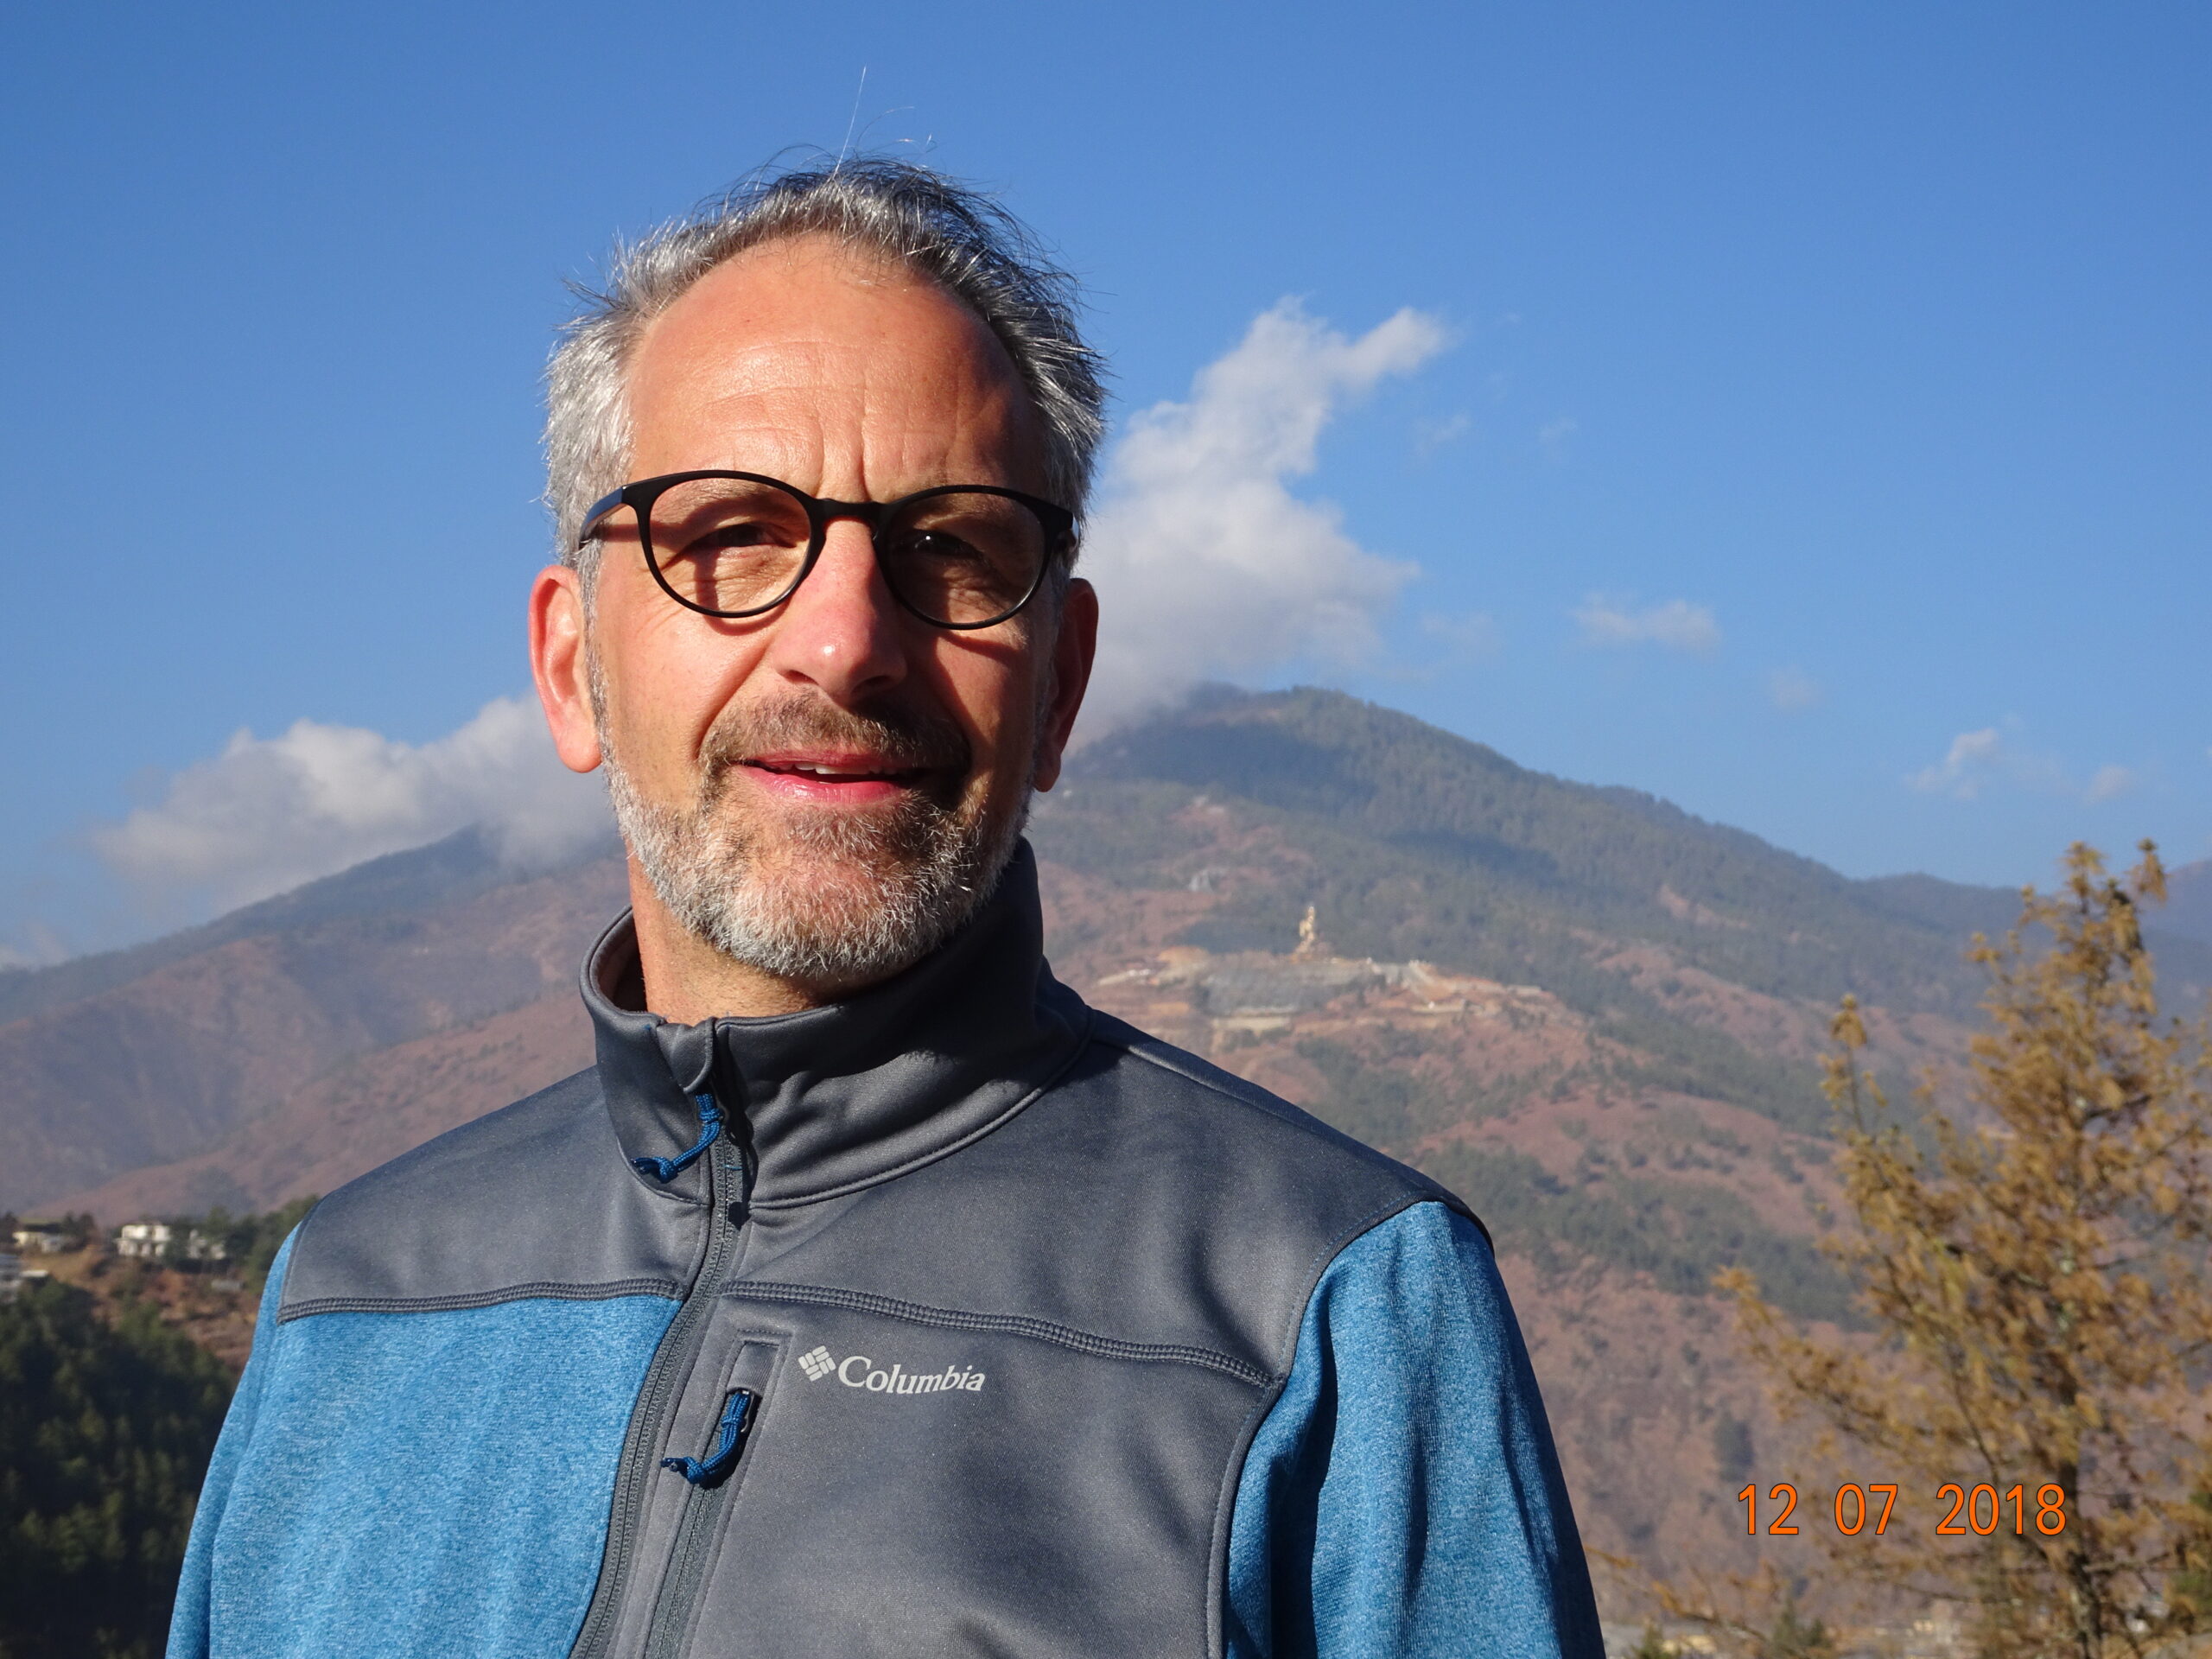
[(737, 544)]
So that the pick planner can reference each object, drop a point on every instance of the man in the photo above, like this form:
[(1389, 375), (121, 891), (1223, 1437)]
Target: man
[(871, 1295)]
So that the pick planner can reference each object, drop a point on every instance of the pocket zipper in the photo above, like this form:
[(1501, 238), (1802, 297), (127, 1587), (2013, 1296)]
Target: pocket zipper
[(729, 1442)]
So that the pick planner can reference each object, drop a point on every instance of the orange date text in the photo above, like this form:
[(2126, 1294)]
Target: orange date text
[(1978, 1510)]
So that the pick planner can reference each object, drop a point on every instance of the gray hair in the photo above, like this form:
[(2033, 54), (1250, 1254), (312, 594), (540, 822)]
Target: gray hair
[(957, 237)]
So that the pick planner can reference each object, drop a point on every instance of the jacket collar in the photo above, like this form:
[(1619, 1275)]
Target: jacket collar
[(836, 1098)]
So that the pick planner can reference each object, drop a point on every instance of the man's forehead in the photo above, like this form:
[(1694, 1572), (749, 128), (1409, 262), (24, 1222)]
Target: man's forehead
[(812, 326), (796, 286)]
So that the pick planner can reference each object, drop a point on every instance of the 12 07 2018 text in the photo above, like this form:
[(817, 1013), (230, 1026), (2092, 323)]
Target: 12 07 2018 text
[(1977, 1510)]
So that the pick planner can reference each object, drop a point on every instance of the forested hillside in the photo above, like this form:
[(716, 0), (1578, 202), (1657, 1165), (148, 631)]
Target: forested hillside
[(1414, 843), (105, 1427), (1430, 845)]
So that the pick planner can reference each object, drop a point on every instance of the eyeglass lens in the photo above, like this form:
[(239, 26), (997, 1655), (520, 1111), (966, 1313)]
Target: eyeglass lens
[(732, 545)]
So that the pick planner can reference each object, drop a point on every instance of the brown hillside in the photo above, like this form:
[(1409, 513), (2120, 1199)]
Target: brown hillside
[(365, 1112), (173, 1064)]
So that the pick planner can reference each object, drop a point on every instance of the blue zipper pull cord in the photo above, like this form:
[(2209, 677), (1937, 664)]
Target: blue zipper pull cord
[(710, 1128), (729, 1441)]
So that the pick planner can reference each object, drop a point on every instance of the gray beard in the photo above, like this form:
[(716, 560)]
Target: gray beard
[(836, 902)]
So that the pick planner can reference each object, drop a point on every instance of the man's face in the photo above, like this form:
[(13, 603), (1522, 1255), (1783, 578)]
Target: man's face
[(824, 792)]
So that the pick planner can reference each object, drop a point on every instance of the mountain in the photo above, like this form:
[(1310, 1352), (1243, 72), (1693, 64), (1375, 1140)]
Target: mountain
[(1594, 1015), (445, 872), (150, 1056), (2187, 910), (1509, 862)]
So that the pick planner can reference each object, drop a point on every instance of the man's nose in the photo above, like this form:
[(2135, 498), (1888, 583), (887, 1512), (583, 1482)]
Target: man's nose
[(842, 632)]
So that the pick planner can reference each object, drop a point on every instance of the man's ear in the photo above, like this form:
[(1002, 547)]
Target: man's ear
[(557, 622), (1074, 648)]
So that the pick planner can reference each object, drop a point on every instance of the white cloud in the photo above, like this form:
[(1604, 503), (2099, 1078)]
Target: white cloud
[(1206, 564), (1973, 757), (2108, 782), (1977, 759), (1552, 436), (1792, 689), (1678, 625), (270, 813)]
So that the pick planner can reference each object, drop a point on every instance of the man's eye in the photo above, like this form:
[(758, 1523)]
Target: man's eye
[(935, 546), (749, 534)]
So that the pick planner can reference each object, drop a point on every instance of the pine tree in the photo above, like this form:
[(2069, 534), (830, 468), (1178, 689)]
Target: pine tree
[(104, 1433), (2033, 1272)]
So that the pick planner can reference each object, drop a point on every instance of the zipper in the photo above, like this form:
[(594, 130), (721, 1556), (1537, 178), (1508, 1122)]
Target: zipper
[(664, 1378), (729, 1443), (694, 1534)]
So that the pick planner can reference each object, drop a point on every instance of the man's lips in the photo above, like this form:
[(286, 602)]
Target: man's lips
[(843, 779)]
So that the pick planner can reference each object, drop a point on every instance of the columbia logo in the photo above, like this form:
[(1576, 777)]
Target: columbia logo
[(859, 1371)]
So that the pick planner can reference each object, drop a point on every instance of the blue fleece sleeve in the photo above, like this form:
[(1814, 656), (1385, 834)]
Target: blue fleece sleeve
[(1402, 1496), (188, 1624)]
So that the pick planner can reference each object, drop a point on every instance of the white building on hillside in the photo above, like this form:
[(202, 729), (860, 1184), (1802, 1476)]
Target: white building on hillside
[(158, 1240), (144, 1239)]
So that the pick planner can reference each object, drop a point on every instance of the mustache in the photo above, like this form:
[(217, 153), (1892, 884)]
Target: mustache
[(907, 738)]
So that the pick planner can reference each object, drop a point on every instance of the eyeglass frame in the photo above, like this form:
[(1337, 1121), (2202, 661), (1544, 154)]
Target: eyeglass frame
[(640, 494)]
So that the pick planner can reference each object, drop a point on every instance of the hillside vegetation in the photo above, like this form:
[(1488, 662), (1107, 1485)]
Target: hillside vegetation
[(105, 1430), (1432, 846), (1411, 842)]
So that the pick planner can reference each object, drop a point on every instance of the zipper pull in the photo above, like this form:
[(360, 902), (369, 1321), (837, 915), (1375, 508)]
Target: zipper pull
[(710, 1128), (729, 1442)]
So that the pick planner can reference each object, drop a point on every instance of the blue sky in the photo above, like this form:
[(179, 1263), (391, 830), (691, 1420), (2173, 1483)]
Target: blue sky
[(1810, 424)]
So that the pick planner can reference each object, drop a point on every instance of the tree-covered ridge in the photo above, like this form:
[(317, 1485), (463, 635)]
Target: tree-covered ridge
[(1431, 845), (1413, 844), (105, 1430), (114, 1378)]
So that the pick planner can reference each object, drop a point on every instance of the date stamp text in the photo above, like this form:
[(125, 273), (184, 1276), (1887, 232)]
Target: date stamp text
[(1978, 1512)]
